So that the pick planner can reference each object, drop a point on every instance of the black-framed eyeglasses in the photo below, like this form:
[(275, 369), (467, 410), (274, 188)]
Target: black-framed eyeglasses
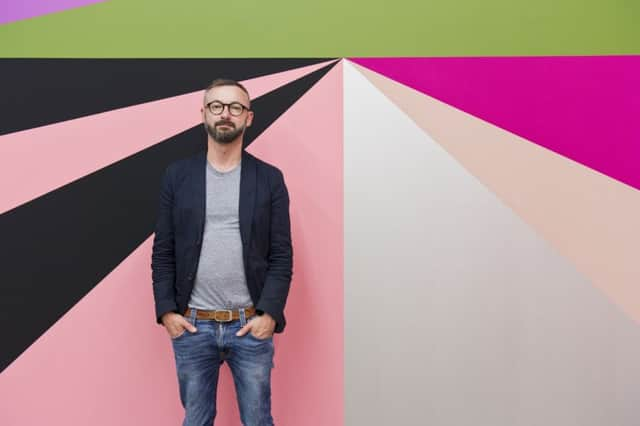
[(235, 108)]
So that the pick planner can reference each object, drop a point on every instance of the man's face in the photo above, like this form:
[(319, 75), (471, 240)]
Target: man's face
[(224, 128)]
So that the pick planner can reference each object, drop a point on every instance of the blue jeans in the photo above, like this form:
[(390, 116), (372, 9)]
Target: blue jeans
[(198, 358)]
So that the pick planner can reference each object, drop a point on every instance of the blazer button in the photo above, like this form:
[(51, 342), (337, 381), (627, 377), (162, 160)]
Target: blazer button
[(190, 277)]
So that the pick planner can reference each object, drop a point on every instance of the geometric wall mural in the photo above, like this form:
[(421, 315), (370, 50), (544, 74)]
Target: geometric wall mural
[(464, 199), (452, 265)]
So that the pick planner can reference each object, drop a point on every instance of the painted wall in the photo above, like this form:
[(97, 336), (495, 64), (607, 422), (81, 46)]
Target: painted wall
[(465, 195)]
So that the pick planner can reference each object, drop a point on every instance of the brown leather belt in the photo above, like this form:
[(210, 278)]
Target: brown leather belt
[(221, 315)]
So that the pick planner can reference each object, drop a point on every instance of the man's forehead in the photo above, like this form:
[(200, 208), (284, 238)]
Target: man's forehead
[(226, 94)]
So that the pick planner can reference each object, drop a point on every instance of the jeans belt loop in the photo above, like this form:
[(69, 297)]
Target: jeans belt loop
[(243, 317)]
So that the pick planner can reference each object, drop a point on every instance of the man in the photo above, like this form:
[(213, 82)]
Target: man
[(222, 263)]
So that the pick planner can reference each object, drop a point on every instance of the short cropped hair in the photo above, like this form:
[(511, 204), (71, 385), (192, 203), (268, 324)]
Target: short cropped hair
[(227, 82)]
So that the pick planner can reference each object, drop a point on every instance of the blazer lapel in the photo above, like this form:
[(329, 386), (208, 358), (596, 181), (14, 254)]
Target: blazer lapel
[(247, 196), (200, 191)]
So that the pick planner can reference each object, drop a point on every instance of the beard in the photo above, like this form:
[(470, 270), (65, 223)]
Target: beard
[(224, 136)]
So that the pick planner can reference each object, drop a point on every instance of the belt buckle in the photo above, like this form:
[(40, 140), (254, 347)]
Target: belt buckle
[(228, 311)]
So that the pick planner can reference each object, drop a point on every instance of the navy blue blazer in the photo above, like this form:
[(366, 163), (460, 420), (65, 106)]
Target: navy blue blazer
[(265, 231)]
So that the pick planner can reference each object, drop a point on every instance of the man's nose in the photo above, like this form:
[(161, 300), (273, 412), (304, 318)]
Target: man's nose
[(225, 111)]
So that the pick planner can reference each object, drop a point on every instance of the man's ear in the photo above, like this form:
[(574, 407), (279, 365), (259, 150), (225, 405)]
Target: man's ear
[(249, 118)]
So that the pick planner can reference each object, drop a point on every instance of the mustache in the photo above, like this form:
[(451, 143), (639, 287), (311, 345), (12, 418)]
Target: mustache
[(226, 123)]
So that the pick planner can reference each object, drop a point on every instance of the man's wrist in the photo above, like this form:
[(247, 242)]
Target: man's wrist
[(166, 315)]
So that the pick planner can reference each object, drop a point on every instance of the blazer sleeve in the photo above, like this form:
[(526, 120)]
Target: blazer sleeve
[(278, 278), (163, 263)]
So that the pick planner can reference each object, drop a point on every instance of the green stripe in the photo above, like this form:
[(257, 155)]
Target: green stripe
[(329, 28)]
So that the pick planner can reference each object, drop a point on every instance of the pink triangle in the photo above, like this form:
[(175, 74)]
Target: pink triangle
[(584, 108)]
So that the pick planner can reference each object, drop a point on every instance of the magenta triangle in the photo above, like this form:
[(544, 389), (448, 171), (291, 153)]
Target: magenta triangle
[(584, 108)]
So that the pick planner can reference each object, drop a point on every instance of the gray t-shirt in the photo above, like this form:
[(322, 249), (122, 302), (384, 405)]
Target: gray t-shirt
[(220, 282)]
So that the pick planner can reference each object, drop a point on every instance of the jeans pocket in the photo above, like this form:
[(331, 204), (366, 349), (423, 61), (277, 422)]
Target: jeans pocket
[(251, 336), (179, 335)]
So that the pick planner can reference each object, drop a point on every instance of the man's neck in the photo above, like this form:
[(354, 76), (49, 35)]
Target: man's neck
[(224, 157)]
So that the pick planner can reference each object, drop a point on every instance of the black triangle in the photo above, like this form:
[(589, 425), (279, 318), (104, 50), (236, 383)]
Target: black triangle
[(36, 92)]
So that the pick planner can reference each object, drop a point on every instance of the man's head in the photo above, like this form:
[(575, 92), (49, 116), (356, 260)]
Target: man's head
[(226, 110)]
